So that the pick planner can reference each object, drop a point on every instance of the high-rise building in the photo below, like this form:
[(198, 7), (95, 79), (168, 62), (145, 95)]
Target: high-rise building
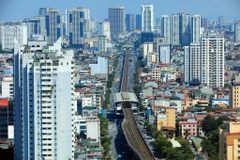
[(164, 52), (35, 26), (9, 32), (104, 29), (42, 11), (44, 101), (221, 21), (229, 141), (166, 28), (192, 64), (196, 29), (180, 31), (237, 32), (212, 50), (138, 22), (147, 49), (130, 22), (75, 26), (116, 17), (147, 18), (204, 23), (54, 25), (158, 23), (87, 23), (102, 43), (175, 30), (234, 96)]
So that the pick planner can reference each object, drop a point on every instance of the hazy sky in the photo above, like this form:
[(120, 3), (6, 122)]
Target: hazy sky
[(19, 9)]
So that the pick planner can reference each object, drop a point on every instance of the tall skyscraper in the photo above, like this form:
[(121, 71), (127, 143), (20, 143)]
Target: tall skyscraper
[(130, 22), (87, 23), (166, 28), (138, 22), (196, 29), (192, 64), (147, 18), (54, 25), (221, 21), (180, 29), (104, 29), (237, 32), (116, 17), (175, 30), (35, 25), (44, 101), (204, 23), (76, 25), (212, 50), (42, 11)]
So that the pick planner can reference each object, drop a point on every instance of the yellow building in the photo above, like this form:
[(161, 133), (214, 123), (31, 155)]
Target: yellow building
[(235, 93), (229, 141), (166, 118)]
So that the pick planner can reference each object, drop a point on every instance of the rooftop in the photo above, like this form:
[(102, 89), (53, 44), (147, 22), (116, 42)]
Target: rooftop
[(125, 97)]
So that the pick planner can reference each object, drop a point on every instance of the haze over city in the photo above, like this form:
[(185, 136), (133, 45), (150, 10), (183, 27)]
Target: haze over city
[(211, 9)]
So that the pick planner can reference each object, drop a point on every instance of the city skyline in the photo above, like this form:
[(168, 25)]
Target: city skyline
[(228, 9)]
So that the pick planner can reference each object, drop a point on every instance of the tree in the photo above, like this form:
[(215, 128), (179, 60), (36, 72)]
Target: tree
[(174, 154), (163, 144), (145, 70), (209, 124), (186, 133), (185, 149), (221, 119), (170, 134), (208, 147)]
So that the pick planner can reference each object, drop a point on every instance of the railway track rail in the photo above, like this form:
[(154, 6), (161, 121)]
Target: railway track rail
[(132, 134)]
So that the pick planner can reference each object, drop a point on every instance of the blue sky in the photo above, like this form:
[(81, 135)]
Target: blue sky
[(19, 9)]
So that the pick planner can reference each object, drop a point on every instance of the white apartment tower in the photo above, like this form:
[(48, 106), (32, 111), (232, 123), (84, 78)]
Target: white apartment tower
[(147, 18), (104, 29), (195, 29), (116, 17), (44, 101), (76, 25), (175, 29), (192, 64), (237, 32), (53, 25), (212, 50), (9, 32), (166, 28), (164, 52)]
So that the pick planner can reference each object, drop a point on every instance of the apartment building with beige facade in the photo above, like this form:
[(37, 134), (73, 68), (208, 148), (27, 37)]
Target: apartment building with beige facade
[(234, 97), (229, 141)]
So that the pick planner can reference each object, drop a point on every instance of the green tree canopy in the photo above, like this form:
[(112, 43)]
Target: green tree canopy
[(221, 119), (174, 154), (209, 124)]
